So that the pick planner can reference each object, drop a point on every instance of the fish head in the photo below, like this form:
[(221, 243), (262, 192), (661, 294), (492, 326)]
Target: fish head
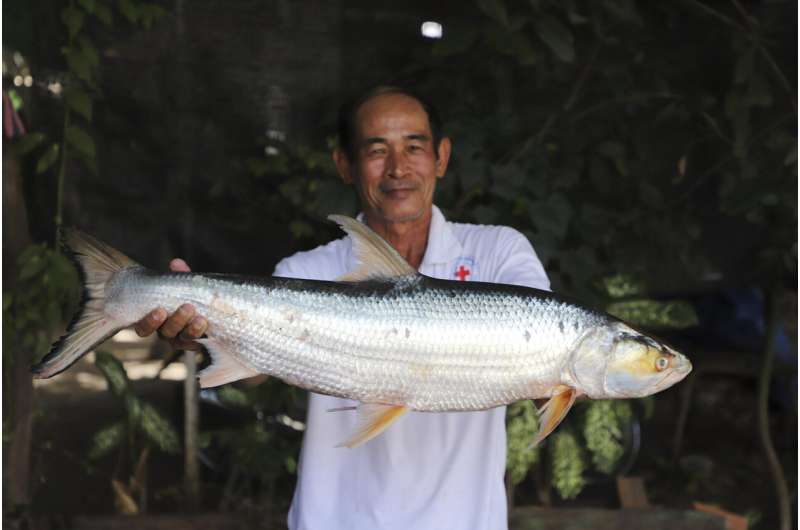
[(638, 366)]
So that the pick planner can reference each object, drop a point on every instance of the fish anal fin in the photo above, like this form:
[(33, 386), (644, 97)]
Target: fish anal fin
[(555, 410), (224, 368), (376, 258), (373, 419)]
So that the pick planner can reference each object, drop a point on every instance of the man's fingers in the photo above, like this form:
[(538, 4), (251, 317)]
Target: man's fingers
[(175, 324), (178, 265), (194, 330), (150, 323)]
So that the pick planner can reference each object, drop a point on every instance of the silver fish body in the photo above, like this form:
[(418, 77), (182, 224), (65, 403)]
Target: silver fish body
[(432, 345), (384, 335)]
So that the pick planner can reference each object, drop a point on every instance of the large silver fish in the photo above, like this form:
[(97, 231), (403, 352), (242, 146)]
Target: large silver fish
[(383, 335)]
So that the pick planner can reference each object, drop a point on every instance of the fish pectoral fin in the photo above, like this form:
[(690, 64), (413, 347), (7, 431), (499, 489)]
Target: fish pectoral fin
[(224, 367), (373, 419), (555, 410), (376, 258)]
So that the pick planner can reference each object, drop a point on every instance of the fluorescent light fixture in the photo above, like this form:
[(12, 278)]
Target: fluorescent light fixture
[(432, 30)]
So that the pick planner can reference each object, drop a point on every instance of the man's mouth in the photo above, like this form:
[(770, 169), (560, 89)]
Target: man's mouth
[(399, 191)]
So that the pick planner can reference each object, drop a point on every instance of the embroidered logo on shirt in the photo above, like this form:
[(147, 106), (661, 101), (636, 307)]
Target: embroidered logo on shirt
[(465, 269)]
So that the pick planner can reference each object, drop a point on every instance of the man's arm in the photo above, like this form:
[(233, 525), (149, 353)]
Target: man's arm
[(182, 327)]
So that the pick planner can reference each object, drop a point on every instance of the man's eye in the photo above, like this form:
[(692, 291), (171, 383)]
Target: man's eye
[(374, 152), (415, 148)]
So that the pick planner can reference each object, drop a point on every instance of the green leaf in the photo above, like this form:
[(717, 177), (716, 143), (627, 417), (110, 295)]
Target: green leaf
[(28, 143), (103, 13), (114, 373), (522, 425), (129, 10), (88, 5), (107, 439), (301, 229), (653, 314), (79, 101), (89, 51), (149, 13), (80, 140), (79, 64), (603, 431), (552, 215), (230, 395), (557, 36), (159, 429), (73, 19), (523, 50), (616, 152), (47, 159)]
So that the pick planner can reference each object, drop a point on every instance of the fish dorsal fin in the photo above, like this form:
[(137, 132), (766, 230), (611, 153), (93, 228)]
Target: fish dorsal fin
[(224, 367), (556, 408), (376, 258), (373, 419)]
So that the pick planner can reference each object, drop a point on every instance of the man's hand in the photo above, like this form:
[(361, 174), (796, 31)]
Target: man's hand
[(180, 329)]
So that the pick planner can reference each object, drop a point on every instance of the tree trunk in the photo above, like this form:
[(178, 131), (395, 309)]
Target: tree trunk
[(19, 406)]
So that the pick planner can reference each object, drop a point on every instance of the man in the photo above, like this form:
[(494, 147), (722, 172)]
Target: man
[(428, 470)]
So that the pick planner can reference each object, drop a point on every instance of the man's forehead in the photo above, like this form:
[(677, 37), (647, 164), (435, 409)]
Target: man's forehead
[(395, 113)]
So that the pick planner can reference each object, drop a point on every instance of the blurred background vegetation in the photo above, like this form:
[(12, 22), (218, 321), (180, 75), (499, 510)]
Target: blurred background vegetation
[(648, 151)]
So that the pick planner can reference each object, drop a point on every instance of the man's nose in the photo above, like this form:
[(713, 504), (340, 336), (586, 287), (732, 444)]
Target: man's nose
[(396, 163)]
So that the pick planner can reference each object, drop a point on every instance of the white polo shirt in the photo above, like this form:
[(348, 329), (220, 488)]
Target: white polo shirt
[(427, 470)]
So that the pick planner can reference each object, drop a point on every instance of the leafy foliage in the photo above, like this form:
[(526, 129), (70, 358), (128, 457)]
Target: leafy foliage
[(142, 417), (567, 464), (602, 431), (43, 296), (522, 423)]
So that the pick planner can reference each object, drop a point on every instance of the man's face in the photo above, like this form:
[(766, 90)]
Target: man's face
[(395, 165)]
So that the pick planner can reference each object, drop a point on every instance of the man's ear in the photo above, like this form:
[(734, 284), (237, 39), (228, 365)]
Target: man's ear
[(443, 157), (342, 165)]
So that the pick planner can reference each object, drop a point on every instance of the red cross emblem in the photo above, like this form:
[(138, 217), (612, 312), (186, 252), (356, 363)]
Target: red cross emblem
[(462, 273)]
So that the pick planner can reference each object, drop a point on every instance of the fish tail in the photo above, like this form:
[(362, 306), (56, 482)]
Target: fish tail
[(97, 264)]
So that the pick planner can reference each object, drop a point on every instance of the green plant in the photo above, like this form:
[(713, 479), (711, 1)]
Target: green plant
[(142, 427)]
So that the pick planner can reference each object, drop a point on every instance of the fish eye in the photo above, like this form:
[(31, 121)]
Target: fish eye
[(662, 363)]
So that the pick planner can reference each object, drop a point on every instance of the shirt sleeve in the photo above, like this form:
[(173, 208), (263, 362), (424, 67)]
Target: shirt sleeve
[(517, 262)]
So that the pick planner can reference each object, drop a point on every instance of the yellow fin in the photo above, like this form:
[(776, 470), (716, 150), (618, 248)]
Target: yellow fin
[(556, 408), (376, 258), (373, 419), (224, 367)]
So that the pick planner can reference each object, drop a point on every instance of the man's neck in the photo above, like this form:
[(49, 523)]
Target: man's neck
[(409, 238)]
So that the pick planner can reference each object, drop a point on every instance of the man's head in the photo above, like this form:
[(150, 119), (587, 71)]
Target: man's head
[(391, 149)]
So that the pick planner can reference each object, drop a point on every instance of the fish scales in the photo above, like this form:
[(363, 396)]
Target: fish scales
[(391, 341)]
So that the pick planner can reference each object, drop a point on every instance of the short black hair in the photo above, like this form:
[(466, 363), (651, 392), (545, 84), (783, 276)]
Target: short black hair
[(347, 116)]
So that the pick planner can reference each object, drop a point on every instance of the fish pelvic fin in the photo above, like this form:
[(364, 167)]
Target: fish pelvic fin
[(373, 419), (225, 367), (376, 258), (97, 263), (554, 411)]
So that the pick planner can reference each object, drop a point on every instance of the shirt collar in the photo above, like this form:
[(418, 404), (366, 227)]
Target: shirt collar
[(443, 246)]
